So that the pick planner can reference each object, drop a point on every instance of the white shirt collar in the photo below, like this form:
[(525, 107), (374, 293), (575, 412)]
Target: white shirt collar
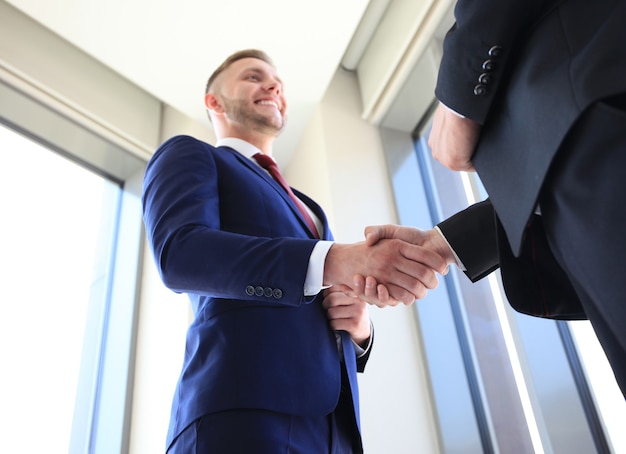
[(240, 146)]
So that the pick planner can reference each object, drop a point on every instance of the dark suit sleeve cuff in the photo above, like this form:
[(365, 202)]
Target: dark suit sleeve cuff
[(471, 234)]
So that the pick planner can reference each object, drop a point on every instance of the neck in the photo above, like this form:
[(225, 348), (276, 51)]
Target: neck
[(263, 142)]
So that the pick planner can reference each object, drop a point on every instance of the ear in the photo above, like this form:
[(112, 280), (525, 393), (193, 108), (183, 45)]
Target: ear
[(212, 103)]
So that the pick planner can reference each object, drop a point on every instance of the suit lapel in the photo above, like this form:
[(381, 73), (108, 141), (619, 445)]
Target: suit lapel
[(319, 212), (281, 192)]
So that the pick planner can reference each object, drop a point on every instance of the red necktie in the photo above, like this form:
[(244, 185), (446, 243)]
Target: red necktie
[(269, 164)]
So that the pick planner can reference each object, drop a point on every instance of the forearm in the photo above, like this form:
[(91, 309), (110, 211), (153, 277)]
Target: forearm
[(222, 264)]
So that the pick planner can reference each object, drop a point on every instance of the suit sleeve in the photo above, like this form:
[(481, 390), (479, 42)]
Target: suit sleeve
[(473, 236), (478, 50), (192, 253)]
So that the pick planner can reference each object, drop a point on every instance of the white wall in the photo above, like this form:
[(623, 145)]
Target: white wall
[(341, 164), (163, 320)]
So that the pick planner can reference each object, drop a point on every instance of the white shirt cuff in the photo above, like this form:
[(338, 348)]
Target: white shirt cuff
[(452, 110), (315, 273)]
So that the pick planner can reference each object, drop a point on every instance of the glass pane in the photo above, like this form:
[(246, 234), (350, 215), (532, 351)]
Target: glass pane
[(52, 223), (609, 398)]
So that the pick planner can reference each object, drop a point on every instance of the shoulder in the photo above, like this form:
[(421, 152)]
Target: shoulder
[(184, 154), (182, 147), (183, 142)]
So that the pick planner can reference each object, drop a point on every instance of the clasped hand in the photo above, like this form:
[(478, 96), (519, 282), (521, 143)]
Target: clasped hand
[(400, 264), (398, 280)]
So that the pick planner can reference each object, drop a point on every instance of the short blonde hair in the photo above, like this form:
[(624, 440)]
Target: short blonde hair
[(247, 53)]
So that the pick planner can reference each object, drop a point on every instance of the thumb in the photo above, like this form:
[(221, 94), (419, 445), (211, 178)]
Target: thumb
[(372, 234)]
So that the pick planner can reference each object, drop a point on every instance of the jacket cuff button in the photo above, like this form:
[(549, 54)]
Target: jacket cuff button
[(480, 90), (495, 51), (488, 65), (250, 290), (484, 78)]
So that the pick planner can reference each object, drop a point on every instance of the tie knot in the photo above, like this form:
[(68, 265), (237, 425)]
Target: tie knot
[(265, 161)]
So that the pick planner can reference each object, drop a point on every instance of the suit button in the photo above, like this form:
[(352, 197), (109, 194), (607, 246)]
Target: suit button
[(495, 51), (489, 65), (268, 292), (278, 293), (484, 78), (258, 291), (480, 90), (250, 290)]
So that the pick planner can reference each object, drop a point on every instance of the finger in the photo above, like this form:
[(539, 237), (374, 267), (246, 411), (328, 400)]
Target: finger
[(401, 295), (368, 291), (370, 288), (378, 294), (358, 283), (340, 299), (352, 325), (342, 288), (342, 310), (424, 257), (412, 276), (331, 300), (372, 234), (383, 293)]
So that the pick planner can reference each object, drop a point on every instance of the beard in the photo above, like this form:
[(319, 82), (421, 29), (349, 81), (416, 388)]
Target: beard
[(240, 111)]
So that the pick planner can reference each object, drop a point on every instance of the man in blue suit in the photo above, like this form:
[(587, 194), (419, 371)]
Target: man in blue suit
[(270, 360)]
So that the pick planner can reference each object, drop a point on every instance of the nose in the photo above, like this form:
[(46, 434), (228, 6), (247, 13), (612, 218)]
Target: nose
[(274, 86)]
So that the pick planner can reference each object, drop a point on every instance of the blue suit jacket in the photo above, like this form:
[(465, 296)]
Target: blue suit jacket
[(224, 232)]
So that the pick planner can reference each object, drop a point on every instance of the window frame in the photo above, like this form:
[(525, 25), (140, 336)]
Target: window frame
[(104, 396)]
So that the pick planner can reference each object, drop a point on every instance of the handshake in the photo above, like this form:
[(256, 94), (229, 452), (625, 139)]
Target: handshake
[(393, 265)]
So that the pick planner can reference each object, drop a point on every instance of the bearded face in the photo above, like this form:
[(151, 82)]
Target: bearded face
[(248, 98), (261, 116)]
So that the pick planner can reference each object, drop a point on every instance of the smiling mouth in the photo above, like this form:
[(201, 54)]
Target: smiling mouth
[(265, 102)]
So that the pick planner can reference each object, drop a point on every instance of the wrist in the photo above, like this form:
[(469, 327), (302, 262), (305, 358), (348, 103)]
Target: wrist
[(440, 245), (332, 265)]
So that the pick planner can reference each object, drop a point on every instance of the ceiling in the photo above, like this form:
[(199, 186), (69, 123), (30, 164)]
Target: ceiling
[(169, 47)]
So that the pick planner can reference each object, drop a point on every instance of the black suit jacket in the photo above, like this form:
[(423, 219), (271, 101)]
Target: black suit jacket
[(534, 282), (526, 70)]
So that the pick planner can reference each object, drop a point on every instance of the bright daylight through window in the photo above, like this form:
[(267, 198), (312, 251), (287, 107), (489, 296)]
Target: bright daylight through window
[(57, 227)]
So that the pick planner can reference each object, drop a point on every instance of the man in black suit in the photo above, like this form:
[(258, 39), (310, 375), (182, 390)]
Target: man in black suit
[(533, 97)]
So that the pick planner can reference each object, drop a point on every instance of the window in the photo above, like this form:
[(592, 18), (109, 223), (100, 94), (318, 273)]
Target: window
[(603, 404), (69, 281), (58, 231)]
